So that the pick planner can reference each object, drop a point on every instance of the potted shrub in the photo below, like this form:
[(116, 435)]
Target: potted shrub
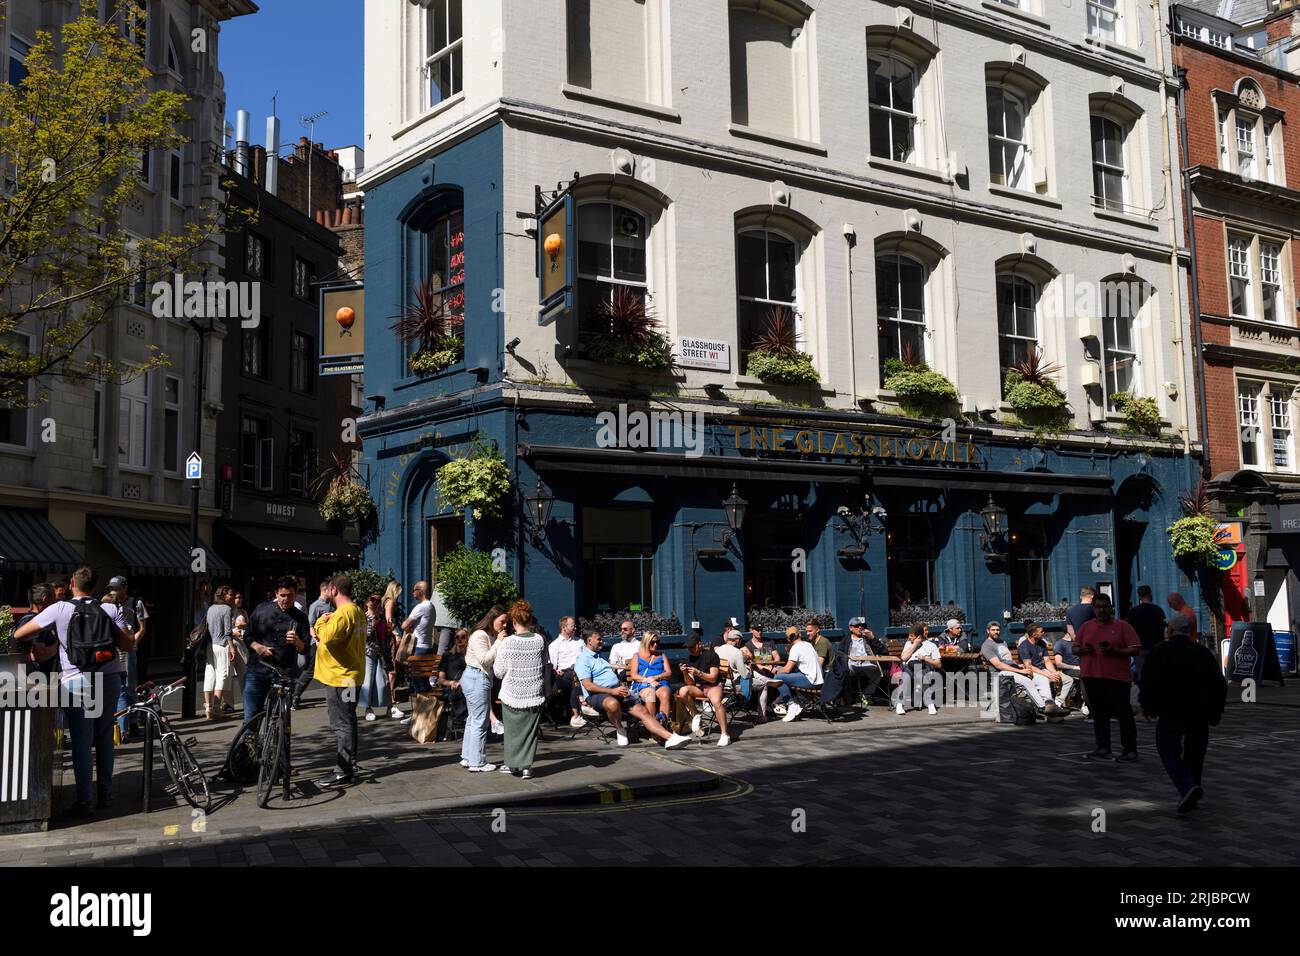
[(346, 498), (628, 334), (479, 480), (427, 324), (607, 622), (1029, 387), (918, 387), (469, 583), (775, 358), (1141, 414), (1192, 537)]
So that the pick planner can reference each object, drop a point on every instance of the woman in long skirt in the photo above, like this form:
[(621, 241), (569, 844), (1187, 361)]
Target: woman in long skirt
[(521, 664)]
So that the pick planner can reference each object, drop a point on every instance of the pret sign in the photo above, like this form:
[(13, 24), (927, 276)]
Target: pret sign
[(704, 353)]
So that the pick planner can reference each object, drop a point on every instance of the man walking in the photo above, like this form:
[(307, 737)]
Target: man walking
[(277, 633), (1183, 688), (1149, 621), (1106, 647), (340, 664)]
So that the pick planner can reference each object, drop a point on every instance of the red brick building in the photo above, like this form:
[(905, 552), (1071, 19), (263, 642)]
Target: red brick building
[(1240, 109)]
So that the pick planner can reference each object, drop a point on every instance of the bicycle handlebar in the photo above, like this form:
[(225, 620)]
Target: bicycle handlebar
[(157, 696)]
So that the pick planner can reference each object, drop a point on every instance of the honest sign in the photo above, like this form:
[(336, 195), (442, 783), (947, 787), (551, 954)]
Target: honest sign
[(703, 353)]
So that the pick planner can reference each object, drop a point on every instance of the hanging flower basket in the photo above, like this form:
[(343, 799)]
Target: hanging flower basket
[(479, 480), (441, 353), (347, 501)]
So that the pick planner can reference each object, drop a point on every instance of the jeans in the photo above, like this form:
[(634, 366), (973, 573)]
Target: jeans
[(92, 732), (793, 679), (374, 687), (867, 678), (341, 705), (256, 684), (477, 688), (306, 672), (130, 681), (1110, 699), (1181, 743)]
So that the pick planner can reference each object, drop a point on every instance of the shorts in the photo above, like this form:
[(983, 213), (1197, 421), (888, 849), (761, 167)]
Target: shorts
[(598, 701)]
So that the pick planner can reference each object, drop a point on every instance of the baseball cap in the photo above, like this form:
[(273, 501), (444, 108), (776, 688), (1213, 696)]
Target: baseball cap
[(117, 582), (1180, 625), (854, 621), (952, 622)]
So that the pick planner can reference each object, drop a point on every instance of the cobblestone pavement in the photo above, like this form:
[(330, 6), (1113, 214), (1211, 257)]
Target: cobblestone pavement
[(878, 790)]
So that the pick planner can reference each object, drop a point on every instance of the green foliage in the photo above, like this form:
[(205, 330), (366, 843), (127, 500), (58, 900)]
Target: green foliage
[(347, 500), (921, 384), (1142, 415), (782, 370), (6, 629), (653, 353), (470, 585), (479, 480), (70, 141), (365, 582), (1040, 403), (1192, 538), (441, 353)]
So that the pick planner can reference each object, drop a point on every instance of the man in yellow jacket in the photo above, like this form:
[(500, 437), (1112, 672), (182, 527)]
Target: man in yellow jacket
[(340, 664)]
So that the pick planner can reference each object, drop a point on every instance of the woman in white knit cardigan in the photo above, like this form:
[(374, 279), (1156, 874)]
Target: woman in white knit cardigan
[(521, 664)]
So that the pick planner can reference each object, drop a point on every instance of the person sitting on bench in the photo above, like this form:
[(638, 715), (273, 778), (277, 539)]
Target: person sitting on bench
[(605, 691), (650, 676), (703, 676), (803, 668)]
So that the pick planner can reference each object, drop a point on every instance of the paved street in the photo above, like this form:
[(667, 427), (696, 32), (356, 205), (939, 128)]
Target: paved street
[(879, 790)]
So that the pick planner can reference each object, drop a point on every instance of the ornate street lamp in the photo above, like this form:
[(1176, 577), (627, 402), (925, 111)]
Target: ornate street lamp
[(539, 505), (994, 540), (734, 507)]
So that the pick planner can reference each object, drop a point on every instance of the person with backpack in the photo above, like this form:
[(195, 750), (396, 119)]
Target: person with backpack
[(44, 650), (90, 634)]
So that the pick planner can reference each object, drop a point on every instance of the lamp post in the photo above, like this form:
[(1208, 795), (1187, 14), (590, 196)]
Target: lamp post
[(993, 540), (733, 506), (539, 505)]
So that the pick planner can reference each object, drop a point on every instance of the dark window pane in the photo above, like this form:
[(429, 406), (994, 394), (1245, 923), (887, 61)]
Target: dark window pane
[(751, 266)]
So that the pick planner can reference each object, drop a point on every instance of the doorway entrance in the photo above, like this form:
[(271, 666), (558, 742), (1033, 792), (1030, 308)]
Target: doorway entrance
[(445, 535)]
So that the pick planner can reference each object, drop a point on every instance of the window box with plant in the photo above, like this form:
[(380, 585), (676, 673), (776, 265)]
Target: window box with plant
[(346, 498), (1141, 414), (1192, 537), (427, 325), (478, 480), (920, 389), (627, 333), (774, 356), (1030, 388)]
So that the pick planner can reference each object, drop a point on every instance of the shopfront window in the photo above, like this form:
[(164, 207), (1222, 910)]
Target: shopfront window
[(770, 576), (618, 559), (912, 557), (1030, 557)]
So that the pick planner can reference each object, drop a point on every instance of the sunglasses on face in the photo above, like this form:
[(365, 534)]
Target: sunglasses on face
[(654, 644)]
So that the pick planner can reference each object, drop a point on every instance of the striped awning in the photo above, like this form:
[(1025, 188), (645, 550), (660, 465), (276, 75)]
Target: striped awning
[(155, 547), (28, 542)]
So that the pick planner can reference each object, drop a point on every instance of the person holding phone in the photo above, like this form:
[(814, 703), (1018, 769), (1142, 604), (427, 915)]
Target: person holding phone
[(1106, 647)]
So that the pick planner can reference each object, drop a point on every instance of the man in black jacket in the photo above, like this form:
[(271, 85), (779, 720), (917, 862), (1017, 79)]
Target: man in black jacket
[(277, 632), (1183, 687)]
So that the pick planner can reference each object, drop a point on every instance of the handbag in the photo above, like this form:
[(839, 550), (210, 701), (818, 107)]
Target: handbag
[(406, 646), (426, 714), (198, 640)]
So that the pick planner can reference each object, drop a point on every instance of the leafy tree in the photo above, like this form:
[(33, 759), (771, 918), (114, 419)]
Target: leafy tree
[(71, 136), (470, 584)]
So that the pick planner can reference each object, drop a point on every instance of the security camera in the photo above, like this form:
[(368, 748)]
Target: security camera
[(512, 344), (880, 512), (842, 510)]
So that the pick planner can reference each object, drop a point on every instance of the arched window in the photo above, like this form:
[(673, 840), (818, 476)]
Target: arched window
[(612, 254), (892, 95), (1017, 319), (900, 307), (767, 279), (770, 75), (446, 258), (434, 253)]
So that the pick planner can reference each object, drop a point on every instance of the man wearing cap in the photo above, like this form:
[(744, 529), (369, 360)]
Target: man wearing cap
[(954, 636), (1183, 688), (134, 617), (858, 644)]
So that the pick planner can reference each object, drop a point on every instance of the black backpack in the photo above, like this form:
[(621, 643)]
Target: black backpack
[(92, 636)]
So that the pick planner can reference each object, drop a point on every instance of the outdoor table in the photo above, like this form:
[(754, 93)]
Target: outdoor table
[(879, 659)]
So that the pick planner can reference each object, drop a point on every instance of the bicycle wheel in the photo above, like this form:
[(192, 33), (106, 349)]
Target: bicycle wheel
[(186, 773), (270, 766), (245, 754)]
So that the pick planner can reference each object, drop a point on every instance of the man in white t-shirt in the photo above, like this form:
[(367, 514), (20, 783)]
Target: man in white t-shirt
[(920, 657), (421, 622), (803, 668), (94, 693), (626, 649)]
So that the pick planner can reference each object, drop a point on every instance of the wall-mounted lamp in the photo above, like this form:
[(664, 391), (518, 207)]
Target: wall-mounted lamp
[(538, 513), (994, 539)]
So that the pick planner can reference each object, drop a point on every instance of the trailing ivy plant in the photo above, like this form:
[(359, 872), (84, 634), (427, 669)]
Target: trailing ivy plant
[(1192, 537), (1141, 414), (479, 480), (775, 357), (469, 583)]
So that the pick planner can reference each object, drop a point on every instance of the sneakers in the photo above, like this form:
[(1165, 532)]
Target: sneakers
[(791, 712), (778, 709), (1052, 708), (697, 725), (464, 763), (1060, 703), (589, 710), (405, 721), (1190, 799), (395, 713), (675, 741), (724, 740), (1127, 756), (526, 773), (621, 738), (576, 722), (498, 728), (336, 779), (485, 768), (900, 710), (504, 769), (370, 714), (930, 708), (1100, 754), (1084, 710)]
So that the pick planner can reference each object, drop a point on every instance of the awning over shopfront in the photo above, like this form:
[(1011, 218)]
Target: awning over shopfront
[(28, 542), (294, 543), (155, 547)]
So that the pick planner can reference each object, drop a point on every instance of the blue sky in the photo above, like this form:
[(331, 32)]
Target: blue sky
[(313, 61)]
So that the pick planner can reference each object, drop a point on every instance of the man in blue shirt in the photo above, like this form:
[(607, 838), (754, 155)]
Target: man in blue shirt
[(606, 692), (1067, 662)]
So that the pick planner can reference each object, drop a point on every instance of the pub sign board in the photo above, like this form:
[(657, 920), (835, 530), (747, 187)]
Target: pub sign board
[(342, 329), (556, 264)]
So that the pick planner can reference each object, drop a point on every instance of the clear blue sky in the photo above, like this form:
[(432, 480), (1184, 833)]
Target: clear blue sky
[(310, 52)]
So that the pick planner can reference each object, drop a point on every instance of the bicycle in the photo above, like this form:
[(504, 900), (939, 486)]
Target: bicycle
[(185, 773), (270, 729)]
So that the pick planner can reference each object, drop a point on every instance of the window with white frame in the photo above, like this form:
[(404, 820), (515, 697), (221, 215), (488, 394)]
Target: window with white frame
[(256, 453), (172, 424), (1279, 416), (1265, 424), (1249, 423), (1109, 178), (1122, 301), (15, 417), (1270, 159), (443, 51), (611, 46), (173, 57), (133, 423), (135, 22), (1010, 149), (1248, 143), (767, 281), (1256, 278), (18, 51), (900, 308), (1105, 21), (892, 107), (136, 289), (145, 170), (612, 255), (1017, 298), (1245, 138), (769, 67)]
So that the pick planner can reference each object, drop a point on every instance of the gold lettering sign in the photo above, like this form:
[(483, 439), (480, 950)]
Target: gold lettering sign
[(852, 444)]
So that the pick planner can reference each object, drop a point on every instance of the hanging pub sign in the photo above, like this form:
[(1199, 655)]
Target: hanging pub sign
[(342, 329), (556, 272)]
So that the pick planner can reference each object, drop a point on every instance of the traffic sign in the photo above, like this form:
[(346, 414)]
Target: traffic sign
[(194, 467), (1226, 559)]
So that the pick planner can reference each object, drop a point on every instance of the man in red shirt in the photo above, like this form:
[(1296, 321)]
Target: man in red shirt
[(1106, 647)]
